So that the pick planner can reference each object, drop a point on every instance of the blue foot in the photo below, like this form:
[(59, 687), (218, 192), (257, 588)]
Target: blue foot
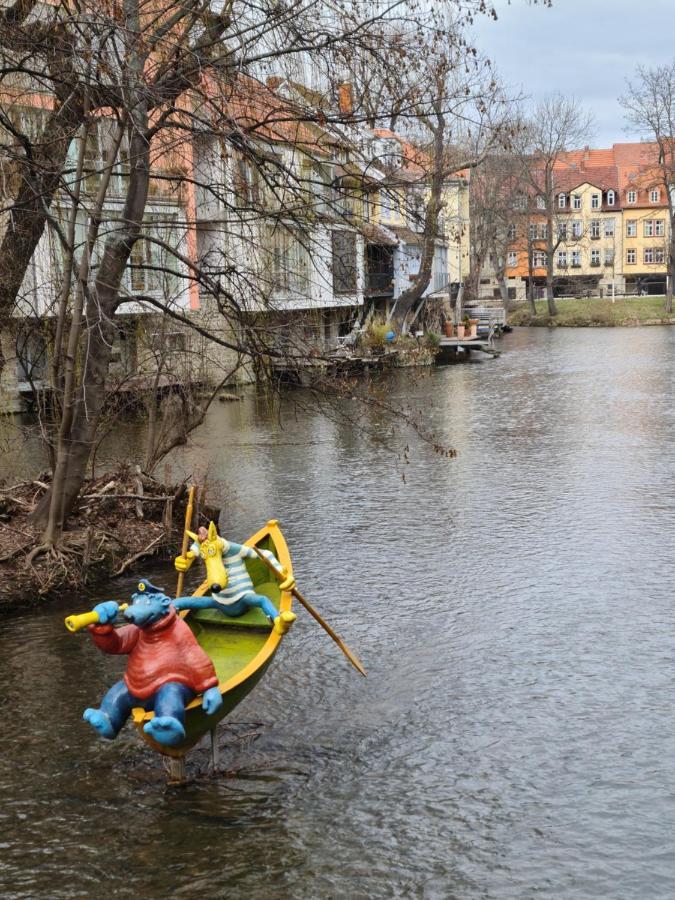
[(100, 722), (165, 730)]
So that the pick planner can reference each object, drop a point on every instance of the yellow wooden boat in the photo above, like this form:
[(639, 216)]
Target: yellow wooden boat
[(241, 649)]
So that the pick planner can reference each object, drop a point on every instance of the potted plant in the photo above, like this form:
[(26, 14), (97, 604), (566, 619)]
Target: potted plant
[(460, 330), (473, 328), (448, 328)]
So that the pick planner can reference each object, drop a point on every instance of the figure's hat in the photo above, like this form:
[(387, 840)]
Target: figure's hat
[(146, 586)]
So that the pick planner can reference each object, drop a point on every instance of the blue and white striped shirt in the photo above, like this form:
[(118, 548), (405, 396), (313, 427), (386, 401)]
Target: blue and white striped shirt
[(238, 580)]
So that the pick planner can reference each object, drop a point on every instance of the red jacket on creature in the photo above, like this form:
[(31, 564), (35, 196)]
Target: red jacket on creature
[(163, 652)]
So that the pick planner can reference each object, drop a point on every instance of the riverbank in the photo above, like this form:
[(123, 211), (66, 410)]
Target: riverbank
[(595, 312), (122, 517)]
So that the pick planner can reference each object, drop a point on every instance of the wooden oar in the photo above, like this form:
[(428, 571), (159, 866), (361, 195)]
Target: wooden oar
[(186, 538), (314, 614)]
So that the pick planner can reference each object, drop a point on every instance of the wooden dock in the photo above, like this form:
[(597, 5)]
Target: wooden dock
[(455, 347)]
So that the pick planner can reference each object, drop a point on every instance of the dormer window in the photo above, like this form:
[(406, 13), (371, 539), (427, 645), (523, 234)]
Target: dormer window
[(611, 197), (655, 196), (631, 197), (541, 203), (562, 201)]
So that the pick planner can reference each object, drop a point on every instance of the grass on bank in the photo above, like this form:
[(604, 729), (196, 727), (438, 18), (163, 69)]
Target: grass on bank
[(594, 311)]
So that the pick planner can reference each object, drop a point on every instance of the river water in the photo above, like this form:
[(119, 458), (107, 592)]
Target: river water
[(513, 607)]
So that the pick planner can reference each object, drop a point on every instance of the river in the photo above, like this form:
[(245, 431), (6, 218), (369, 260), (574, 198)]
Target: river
[(513, 607)]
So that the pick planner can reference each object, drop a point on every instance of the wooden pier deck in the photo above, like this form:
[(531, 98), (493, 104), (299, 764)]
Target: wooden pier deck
[(456, 346)]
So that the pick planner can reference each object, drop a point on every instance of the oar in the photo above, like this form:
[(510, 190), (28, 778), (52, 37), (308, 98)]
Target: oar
[(314, 614), (78, 622), (186, 538)]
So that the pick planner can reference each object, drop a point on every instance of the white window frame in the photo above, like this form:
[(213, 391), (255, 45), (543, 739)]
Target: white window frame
[(596, 201), (659, 255), (576, 201), (655, 195), (511, 233), (631, 197), (631, 256), (562, 201), (538, 259), (512, 259), (541, 202), (543, 231), (577, 228), (562, 230), (611, 198), (576, 259), (631, 227), (659, 227), (648, 256), (595, 228), (562, 259), (609, 228), (609, 256), (648, 228), (595, 257)]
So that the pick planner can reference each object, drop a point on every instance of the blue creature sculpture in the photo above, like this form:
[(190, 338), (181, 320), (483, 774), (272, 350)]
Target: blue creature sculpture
[(166, 668)]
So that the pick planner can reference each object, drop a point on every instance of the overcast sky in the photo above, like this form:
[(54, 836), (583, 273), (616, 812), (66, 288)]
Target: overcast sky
[(585, 48)]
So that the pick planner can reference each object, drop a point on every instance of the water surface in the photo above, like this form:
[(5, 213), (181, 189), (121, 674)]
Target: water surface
[(513, 607)]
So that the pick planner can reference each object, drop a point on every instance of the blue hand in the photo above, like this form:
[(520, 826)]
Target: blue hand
[(211, 701), (107, 612)]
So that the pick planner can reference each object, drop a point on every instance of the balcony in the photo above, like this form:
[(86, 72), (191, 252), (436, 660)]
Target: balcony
[(380, 284)]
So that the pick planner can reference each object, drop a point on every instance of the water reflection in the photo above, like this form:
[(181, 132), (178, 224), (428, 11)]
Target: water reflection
[(512, 606)]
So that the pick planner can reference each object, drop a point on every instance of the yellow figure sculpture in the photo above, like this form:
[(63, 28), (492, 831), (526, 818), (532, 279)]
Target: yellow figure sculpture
[(232, 590)]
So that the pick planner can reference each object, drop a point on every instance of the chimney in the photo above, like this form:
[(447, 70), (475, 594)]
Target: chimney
[(346, 98)]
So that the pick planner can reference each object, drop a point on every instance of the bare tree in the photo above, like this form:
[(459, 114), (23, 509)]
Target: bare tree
[(557, 124), (649, 104)]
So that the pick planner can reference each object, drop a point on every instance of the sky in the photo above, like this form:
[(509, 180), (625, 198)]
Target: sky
[(583, 48)]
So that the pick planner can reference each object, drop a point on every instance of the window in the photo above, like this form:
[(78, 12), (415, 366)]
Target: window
[(611, 197), (538, 259), (533, 232), (631, 256), (576, 201), (562, 231), (541, 202), (659, 227), (648, 226), (648, 255), (577, 229), (655, 195), (609, 227), (562, 201), (609, 256), (344, 262), (512, 258), (595, 257), (562, 259), (520, 202), (631, 197), (659, 255), (595, 229), (151, 267), (595, 201), (631, 228), (543, 231), (290, 263), (512, 232), (246, 184), (576, 259)]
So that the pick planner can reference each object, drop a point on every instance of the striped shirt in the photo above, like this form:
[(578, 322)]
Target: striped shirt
[(238, 580)]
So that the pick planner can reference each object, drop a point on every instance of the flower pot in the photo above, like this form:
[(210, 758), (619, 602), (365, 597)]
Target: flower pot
[(448, 329), (473, 332), (460, 331)]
